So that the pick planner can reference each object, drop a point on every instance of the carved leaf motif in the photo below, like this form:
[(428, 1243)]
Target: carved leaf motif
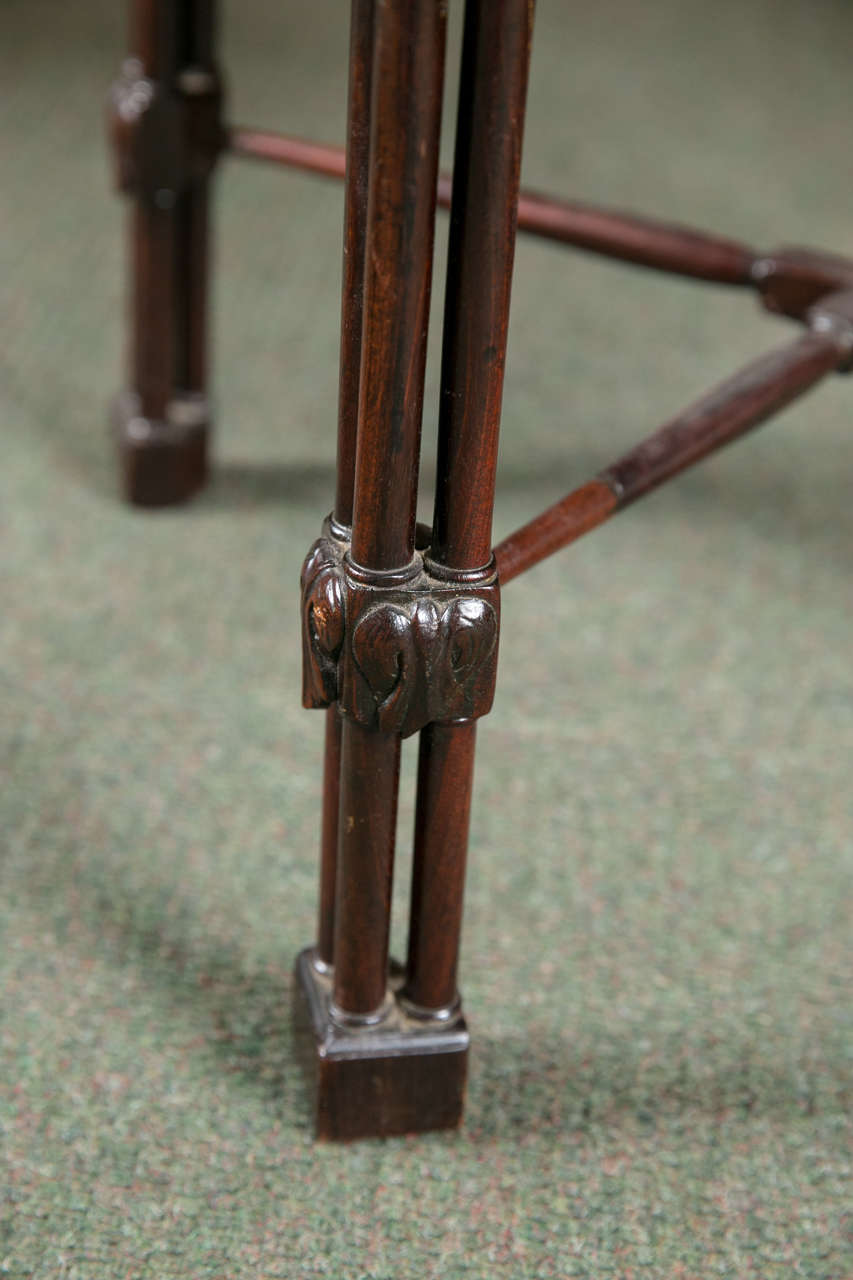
[(470, 631), (318, 558), (384, 651), (323, 618), (326, 614)]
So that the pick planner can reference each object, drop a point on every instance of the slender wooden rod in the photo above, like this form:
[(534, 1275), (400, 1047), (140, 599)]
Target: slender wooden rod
[(327, 159), (370, 775), (644, 241), (405, 118), (192, 298), (355, 227), (352, 307), (445, 778), (492, 95), (731, 409), (329, 838), (407, 80)]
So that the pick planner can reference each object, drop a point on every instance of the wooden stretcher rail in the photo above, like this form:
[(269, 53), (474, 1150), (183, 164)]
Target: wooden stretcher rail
[(788, 280), (730, 410), (643, 241)]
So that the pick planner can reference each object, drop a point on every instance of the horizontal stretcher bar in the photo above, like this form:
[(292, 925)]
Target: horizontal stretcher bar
[(789, 280), (730, 410)]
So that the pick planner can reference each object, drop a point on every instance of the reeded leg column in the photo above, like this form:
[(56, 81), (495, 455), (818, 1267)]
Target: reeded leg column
[(166, 132)]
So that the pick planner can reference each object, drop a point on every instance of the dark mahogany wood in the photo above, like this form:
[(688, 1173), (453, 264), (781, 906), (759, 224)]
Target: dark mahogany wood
[(408, 72), (370, 771), (355, 232), (405, 118), (789, 280), (396, 655), (487, 163), (405, 1075), (445, 777), (643, 241), (397, 638), (736, 406), (495, 58), (557, 527), (646, 242), (329, 839), (355, 227), (327, 159), (165, 126)]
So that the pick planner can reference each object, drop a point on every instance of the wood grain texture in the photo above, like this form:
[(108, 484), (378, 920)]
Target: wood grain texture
[(487, 162), (405, 118), (492, 95), (557, 527), (329, 838), (445, 778), (740, 403), (647, 242), (355, 231), (370, 769), (736, 406), (408, 70), (352, 308), (396, 656)]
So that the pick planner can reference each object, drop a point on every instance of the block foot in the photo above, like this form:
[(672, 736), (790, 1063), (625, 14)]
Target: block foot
[(162, 462), (405, 1074)]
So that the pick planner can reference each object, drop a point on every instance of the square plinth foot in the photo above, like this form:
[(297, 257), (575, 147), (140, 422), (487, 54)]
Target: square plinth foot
[(403, 1075), (162, 461)]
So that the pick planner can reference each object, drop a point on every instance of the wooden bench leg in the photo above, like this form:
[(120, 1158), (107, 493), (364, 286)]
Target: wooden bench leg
[(400, 636), (368, 1080), (167, 133)]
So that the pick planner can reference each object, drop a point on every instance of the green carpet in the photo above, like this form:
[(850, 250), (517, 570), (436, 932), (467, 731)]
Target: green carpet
[(656, 960)]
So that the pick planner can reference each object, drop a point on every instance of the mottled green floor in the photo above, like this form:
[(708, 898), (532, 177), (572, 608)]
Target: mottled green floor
[(657, 942)]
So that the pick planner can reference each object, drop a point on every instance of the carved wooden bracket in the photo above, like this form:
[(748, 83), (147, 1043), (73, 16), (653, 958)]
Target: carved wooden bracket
[(398, 656), (165, 136)]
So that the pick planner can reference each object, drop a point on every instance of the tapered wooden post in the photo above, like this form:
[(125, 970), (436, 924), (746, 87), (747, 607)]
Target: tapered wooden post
[(495, 58), (165, 122)]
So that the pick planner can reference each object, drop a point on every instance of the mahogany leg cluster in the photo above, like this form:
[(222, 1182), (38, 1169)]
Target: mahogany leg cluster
[(400, 623), (401, 638)]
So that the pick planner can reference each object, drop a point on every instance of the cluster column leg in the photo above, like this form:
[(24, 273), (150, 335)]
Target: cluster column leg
[(368, 1080)]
